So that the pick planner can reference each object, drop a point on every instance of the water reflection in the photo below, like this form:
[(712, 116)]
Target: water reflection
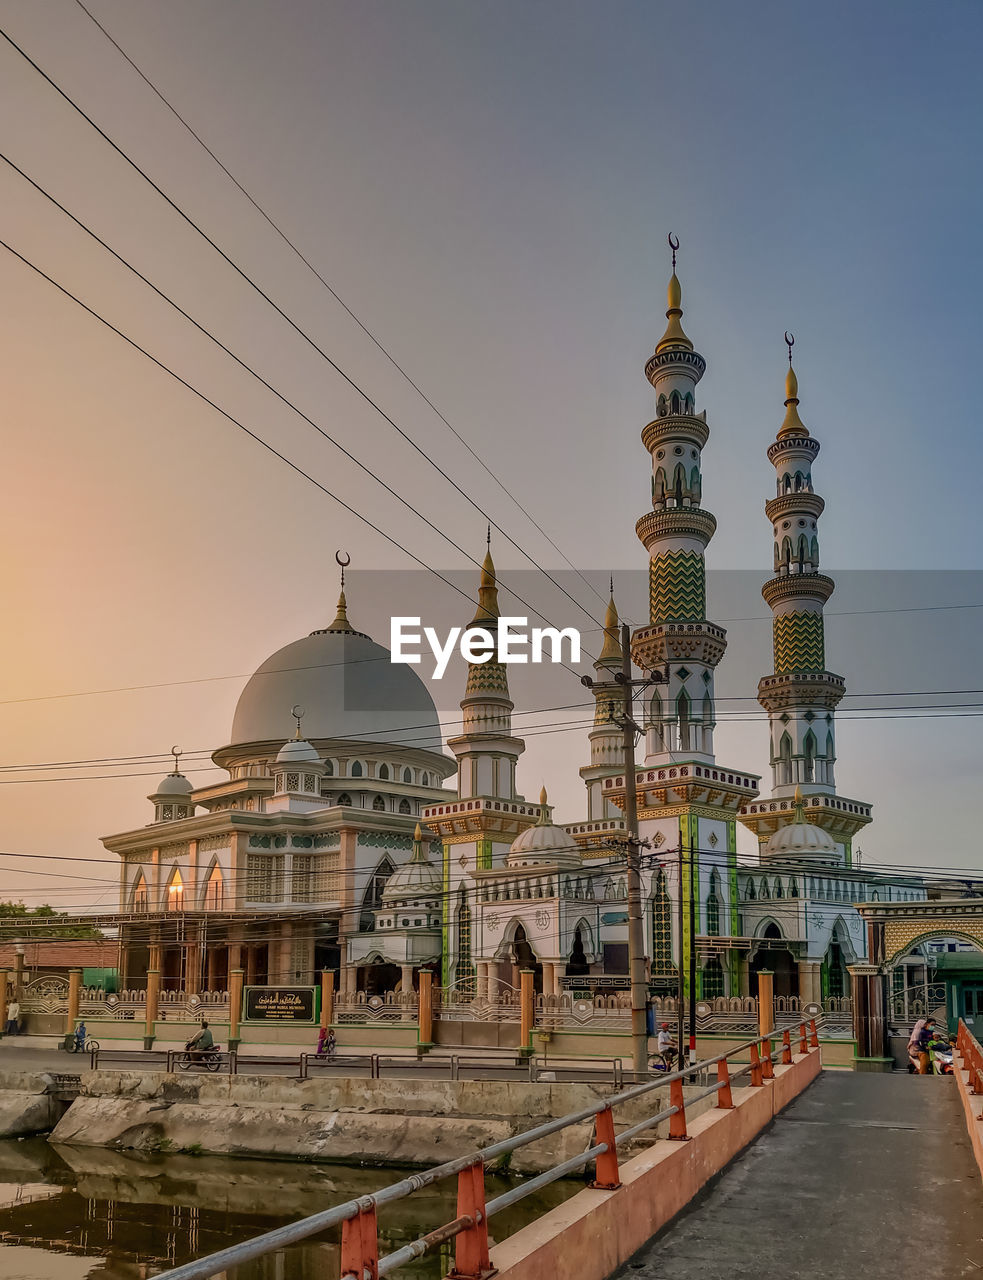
[(73, 1213)]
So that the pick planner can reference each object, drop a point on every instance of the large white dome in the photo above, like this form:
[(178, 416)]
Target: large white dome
[(348, 688)]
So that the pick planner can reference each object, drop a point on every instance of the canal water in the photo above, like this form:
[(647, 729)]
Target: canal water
[(83, 1213)]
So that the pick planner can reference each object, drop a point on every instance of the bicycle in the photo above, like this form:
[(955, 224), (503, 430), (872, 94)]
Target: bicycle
[(88, 1045)]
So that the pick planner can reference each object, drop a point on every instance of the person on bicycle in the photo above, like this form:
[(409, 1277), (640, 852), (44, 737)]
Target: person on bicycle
[(666, 1046), (80, 1034), (199, 1043)]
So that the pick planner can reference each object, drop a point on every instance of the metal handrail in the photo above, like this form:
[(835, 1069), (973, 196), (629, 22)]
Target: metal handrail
[(475, 1222)]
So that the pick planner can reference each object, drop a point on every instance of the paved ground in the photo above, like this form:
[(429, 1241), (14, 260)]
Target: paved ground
[(870, 1177)]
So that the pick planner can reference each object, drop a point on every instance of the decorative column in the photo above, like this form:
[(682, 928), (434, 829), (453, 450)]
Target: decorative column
[(867, 992), (74, 996), (766, 1002), (250, 966), (192, 963), (153, 997), (425, 1011), (549, 978), (4, 978), (527, 1012), (406, 992), (481, 987), (327, 998), (235, 1007)]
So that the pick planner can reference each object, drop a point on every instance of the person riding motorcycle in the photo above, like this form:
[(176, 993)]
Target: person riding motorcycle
[(200, 1043)]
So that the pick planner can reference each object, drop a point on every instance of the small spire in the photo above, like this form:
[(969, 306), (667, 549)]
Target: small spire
[(674, 336), (611, 649), (799, 806), (341, 622), (297, 711), (418, 833), (544, 812), (177, 753), (793, 424), (419, 849), (487, 610)]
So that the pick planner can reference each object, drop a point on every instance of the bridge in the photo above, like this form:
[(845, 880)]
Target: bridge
[(762, 1163)]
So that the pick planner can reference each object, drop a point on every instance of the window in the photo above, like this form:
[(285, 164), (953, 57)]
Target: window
[(214, 891), (308, 880), (345, 798), (713, 906), (384, 772), (404, 806), (140, 895), (663, 968), (264, 878), (378, 805), (407, 775), (328, 769), (356, 769), (713, 979), (175, 893)]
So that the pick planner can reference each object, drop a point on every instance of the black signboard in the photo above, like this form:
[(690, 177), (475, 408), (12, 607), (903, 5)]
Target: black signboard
[(280, 1004)]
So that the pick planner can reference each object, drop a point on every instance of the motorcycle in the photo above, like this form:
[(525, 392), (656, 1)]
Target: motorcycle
[(210, 1059)]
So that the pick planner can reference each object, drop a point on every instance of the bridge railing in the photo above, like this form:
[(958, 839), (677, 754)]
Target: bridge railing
[(972, 1055), (359, 1218)]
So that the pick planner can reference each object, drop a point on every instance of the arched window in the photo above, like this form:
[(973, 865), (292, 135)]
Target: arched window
[(404, 806), (784, 761), (695, 485), (661, 407), (328, 769), (765, 891), (379, 805), (407, 775), (749, 891), (140, 893), (793, 889), (713, 905), (384, 772), (356, 770), (683, 713), (464, 970), (345, 799), (659, 485), (713, 979), (174, 896), (663, 969), (679, 482), (809, 764), (214, 898), (674, 402), (778, 887)]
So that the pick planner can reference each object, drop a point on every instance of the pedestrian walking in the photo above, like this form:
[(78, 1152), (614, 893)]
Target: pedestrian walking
[(13, 1019)]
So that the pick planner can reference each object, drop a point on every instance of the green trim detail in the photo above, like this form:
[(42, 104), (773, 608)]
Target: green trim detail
[(735, 914), (483, 855), (848, 852), (689, 825), (677, 587)]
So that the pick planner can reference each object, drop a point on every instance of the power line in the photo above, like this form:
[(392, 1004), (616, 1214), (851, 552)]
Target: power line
[(293, 324), (367, 470), (334, 293)]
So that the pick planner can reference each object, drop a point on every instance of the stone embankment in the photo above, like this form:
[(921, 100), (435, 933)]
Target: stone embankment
[(29, 1103), (352, 1121)]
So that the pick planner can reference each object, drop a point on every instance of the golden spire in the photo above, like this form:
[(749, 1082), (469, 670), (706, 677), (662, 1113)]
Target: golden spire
[(611, 650), (799, 806), (544, 813), (419, 853), (674, 336), (341, 622), (487, 610), (793, 424)]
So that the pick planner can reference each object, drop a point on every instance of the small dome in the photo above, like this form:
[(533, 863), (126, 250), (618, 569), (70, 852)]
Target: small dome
[(802, 839), (418, 879), (175, 784), (297, 751), (544, 843)]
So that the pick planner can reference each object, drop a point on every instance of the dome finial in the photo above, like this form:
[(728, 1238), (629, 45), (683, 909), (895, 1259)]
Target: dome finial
[(611, 649), (674, 336), (799, 814), (297, 711), (544, 812), (793, 424), (341, 622), (177, 753), (487, 610)]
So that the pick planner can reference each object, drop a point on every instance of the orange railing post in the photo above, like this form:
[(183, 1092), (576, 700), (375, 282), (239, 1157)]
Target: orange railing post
[(360, 1245), (724, 1096), (607, 1176), (803, 1041), (471, 1261), (767, 1066), (677, 1121), (786, 1048), (755, 1066), (813, 1037)]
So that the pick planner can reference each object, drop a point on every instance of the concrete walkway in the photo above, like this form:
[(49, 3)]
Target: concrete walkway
[(870, 1177)]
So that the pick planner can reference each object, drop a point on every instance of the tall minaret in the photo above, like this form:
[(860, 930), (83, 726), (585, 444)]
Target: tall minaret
[(801, 696), (675, 534), (607, 753)]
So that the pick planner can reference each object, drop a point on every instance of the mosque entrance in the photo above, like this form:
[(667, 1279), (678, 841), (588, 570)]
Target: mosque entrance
[(776, 957), (577, 965), (523, 957)]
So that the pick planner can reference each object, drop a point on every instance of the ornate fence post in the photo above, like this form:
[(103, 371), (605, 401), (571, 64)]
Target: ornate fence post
[(527, 998), (766, 1002), (235, 1007), (72, 1013), (150, 1017), (425, 1010)]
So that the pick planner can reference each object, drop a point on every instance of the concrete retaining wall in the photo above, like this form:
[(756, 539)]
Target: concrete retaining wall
[(25, 1105), (589, 1236), (972, 1106)]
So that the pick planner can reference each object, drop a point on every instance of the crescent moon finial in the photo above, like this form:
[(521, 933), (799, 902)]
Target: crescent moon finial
[(297, 711), (343, 559), (790, 343), (673, 245), (177, 753)]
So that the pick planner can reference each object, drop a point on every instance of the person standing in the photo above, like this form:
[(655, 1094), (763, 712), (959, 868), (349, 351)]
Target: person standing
[(13, 1018)]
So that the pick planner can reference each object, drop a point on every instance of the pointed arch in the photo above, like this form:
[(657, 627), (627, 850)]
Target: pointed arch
[(138, 895), (684, 709), (659, 484), (695, 484), (750, 894), (213, 888), (814, 552), (383, 773), (674, 402), (407, 775), (784, 761), (174, 891), (404, 806), (345, 799), (786, 550), (810, 749), (661, 407), (679, 490), (663, 968), (713, 904), (713, 979), (378, 805)]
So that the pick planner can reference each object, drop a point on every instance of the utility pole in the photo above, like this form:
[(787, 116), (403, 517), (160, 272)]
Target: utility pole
[(636, 934)]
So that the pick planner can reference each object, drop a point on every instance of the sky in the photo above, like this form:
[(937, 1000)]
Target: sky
[(489, 188)]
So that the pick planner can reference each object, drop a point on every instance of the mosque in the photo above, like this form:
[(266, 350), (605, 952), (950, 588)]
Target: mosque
[(342, 848)]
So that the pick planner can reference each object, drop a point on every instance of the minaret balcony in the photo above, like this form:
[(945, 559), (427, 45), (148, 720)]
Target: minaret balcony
[(792, 586), (793, 444), (657, 364), (794, 504), (675, 426), (653, 647), (676, 522), (801, 689)]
